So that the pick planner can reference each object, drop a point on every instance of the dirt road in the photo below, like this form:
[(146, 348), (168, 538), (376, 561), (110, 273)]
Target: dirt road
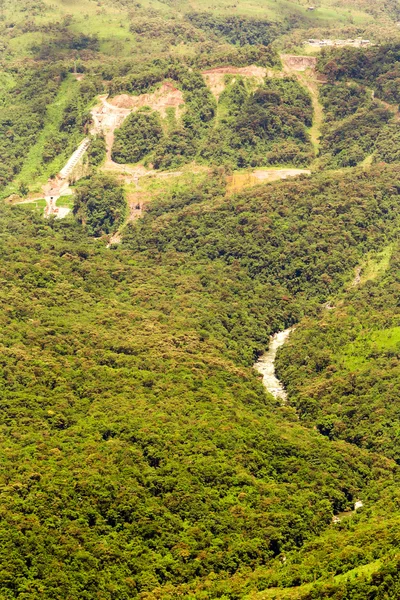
[(303, 68)]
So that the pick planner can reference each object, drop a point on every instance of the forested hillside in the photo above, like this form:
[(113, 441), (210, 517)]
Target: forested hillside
[(177, 186), (133, 425)]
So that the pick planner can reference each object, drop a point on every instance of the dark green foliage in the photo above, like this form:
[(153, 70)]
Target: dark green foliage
[(209, 188), (347, 143), (138, 136), (23, 115), (141, 454), (174, 150), (173, 32), (140, 78), (63, 43), (237, 29), (26, 111), (341, 100), (239, 56), (355, 210), (377, 66), (99, 204), (137, 83), (97, 151), (74, 117), (262, 127), (387, 147), (54, 146), (182, 144)]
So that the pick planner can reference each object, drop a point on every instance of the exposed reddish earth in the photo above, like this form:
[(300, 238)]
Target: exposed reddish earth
[(167, 96)]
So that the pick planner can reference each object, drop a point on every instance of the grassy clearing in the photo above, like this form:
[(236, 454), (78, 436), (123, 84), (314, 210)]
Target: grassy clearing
[(307, 80), (387, 339), (36, 205), (292, 593), (158, 186), (367, 162), (34, 173), (357, 354), (246, 178), (240, 180), (65, 202), (108, 22), (376, 265), (6, 82)]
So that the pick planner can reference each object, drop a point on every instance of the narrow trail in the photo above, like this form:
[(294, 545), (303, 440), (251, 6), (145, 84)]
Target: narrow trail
[(303, 68), (392, 107), (310, 83), (266, 365)]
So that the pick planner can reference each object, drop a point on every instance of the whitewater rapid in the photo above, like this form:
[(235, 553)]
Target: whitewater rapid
[(266, 365)]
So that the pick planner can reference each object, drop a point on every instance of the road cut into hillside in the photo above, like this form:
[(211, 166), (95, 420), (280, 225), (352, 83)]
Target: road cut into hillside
[(303, 68), (110, 113)]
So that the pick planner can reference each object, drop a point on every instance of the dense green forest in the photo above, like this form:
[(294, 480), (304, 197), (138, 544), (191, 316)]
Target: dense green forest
[(237, 30), (266, 126), (116, 381), (377, 66), (142, 456), (361, 105), (351, 375)]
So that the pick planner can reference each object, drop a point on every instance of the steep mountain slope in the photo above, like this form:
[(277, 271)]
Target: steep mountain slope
[(142, 457), (138, 443)]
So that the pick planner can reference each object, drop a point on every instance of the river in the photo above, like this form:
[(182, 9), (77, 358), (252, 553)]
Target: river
[(266, 365)]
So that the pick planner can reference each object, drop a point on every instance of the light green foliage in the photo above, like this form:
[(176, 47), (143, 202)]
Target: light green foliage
[(36, 205)]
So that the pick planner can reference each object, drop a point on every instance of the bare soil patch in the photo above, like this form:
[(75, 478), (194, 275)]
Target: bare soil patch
[(109, 114), (215, 78), (167, 96), (238, 181), (291, 62)]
